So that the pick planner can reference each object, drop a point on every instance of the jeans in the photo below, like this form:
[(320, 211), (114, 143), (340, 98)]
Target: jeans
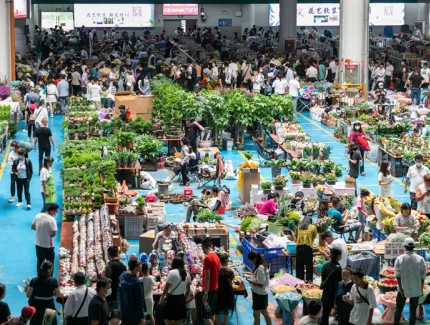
[(304, 258), (31, 127), (414, 203), (415, 95), (23, 183), (63, 102), (110, 103), (44, 204), (400, 304), (12, 185), (43, 151), (43, 254)]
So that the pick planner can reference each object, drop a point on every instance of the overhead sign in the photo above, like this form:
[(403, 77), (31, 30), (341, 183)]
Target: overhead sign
[(63, 19), (20, 8), (114, 15), (328, 14), (178, 9)]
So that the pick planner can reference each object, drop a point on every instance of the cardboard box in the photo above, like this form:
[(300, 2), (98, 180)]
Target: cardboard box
[(145, 242), (137, 105)]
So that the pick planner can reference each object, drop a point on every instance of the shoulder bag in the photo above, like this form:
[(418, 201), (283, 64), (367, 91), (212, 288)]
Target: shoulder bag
[(72, 320), (362, 297), (328, 277), (162, 304)]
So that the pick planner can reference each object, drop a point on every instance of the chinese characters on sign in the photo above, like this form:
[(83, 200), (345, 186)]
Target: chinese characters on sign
[(174, 9)]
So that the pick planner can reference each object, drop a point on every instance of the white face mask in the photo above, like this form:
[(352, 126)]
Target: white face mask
[(419, 165), (357, 127), (108, 292)]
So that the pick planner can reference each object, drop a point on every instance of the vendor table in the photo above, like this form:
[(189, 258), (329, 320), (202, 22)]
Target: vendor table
[(66, 236), (290, 153), (338, 188)]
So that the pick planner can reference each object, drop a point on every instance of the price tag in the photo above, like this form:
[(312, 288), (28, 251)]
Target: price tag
[(393, 250)]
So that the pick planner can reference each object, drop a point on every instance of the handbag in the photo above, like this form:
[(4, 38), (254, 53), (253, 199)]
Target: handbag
[(72, 320), (328, 277)]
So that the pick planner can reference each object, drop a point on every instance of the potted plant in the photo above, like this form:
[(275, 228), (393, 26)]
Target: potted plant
[(307, 179), (276, 166), (279, 182), (307, 152), (349, 182), (295, 176), (208, 216), (318, 179), (325, 152), (330, 178), (266, 187), (140, 201)]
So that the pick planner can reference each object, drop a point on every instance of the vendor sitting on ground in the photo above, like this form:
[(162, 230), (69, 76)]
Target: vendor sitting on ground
[(341, 223), (269, 207), (405, 220), (164, 240), (212, 203)]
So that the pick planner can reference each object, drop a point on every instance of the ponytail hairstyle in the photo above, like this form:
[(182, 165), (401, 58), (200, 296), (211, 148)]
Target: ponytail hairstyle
[(259, 260)]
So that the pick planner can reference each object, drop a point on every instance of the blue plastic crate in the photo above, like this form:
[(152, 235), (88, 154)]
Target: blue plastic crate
[(421, 252), (377, 234)]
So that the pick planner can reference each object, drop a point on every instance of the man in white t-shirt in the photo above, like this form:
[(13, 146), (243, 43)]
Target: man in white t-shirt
[(45, 226), (389, 70), (362, 297), (425, 73), (94, 92), (280, 85), (234, 69), (337, 243), (312, 73), (293, 89)]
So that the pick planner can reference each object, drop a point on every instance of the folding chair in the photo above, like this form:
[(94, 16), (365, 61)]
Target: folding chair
[(302, 104), (263, 152)]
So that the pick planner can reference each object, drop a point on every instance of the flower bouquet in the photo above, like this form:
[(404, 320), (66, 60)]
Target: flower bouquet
[(288, 301), (285, 279), (386, 285), (305, 286), (322, 224), (312, 294), (324, 192), (281, 288), (246, 210), (388, 273), (371, 281)]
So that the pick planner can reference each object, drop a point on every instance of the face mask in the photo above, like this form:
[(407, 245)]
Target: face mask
[(419, 165), (357, 127), (109, 292), (261, 71), (427, 188)]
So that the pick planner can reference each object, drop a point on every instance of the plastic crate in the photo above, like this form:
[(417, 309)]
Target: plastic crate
[(377, 234), (133, 227), (421, 252), (274, 256)]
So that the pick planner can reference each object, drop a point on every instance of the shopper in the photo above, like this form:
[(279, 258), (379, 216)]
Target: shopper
[(314, 310), (384, 180), (416, 175), (164, 240), (405, 221), (363, 299), (259, 280), (358, 136), (27, 313), (131, 299), (5, 314), (305, 237), (45, 226), (30, 117), (363, 210), (98, 310), (63, 93), (342, 308), (269, 208), (113, 270), (51, 96), (330, 277), (10, 160), (43, 136), (115, 317), (410, 273), (225, 290), (76, 306), (423, 196), (416, 81), (184, 161), (341, 222), (191, 306), (23, 169), (94, 92), (148, 282), (41, 292), (47, 183), (337, 243), (40, 113), (206, 301), (177, 288)]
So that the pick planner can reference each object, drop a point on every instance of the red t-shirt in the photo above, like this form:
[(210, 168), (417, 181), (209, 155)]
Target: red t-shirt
[(211, 263)]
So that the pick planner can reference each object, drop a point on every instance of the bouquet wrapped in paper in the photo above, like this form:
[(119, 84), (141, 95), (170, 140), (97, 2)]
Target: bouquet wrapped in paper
[(288, 301)]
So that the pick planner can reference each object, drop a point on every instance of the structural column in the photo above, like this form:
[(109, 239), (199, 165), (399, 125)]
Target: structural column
[(354, 41), (287, 24), (5, 42), (248, 16)]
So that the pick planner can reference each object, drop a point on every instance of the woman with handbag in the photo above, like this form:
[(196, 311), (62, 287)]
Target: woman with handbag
[(23, 169), (331, 275), (47, 183), (173, 304), (30, 118), (41, 292), (358, 136)]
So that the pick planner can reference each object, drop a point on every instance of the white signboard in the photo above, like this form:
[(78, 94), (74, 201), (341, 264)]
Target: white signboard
[(114, 15), (328, 14), (20, 8), (393, 250), (63, 19)]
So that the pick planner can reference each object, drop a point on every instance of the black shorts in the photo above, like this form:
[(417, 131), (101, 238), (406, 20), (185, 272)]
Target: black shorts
[(212, 301), (259, 302)]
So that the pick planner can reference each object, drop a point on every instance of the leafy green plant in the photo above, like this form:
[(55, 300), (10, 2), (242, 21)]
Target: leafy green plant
[(140, 203), (208, 216), (248, 155), (266, 185), (140, 125), (148, 146), (295, 175), (330, 177), (280, 180), (307, 177)]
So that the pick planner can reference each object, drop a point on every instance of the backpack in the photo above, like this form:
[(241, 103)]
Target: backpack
[(194, 72)]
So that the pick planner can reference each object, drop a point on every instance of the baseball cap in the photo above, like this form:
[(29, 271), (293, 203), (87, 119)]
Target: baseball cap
[(79, 277), (409, 242), (28, 312)]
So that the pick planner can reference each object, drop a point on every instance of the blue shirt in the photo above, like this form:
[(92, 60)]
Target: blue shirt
[(63, 88), (31, 96)]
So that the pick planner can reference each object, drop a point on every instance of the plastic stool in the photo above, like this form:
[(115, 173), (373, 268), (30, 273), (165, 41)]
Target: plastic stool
[(188, 191), (150, 198)]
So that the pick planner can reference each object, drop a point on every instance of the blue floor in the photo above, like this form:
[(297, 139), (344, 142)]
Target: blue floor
[(18, 260)]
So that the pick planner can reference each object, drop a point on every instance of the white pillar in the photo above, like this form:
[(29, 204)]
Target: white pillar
[(5, 42), (287, 22), (354, 38), (20, 37), (248, 16)]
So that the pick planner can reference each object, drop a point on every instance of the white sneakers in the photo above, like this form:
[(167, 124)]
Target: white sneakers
[(11, 199), (19, 204), (28, 206)]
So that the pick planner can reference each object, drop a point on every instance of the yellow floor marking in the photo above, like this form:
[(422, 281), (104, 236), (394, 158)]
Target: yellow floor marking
[(3, 164)]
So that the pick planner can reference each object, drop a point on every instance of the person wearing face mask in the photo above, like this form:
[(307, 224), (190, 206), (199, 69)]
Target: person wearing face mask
[(342, 308), (358, 136), (423, 196), (416, 175), (405, 220), (258, 82), (98, 309)]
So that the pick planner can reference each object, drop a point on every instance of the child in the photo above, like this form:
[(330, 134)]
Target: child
[(191, 306), (268, 90), (4, 308), (114, 317), (342, 308), (225, 290), (148, 282)]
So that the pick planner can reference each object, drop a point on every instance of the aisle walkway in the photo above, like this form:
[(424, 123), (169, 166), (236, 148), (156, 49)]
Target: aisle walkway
[(18, 256)]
